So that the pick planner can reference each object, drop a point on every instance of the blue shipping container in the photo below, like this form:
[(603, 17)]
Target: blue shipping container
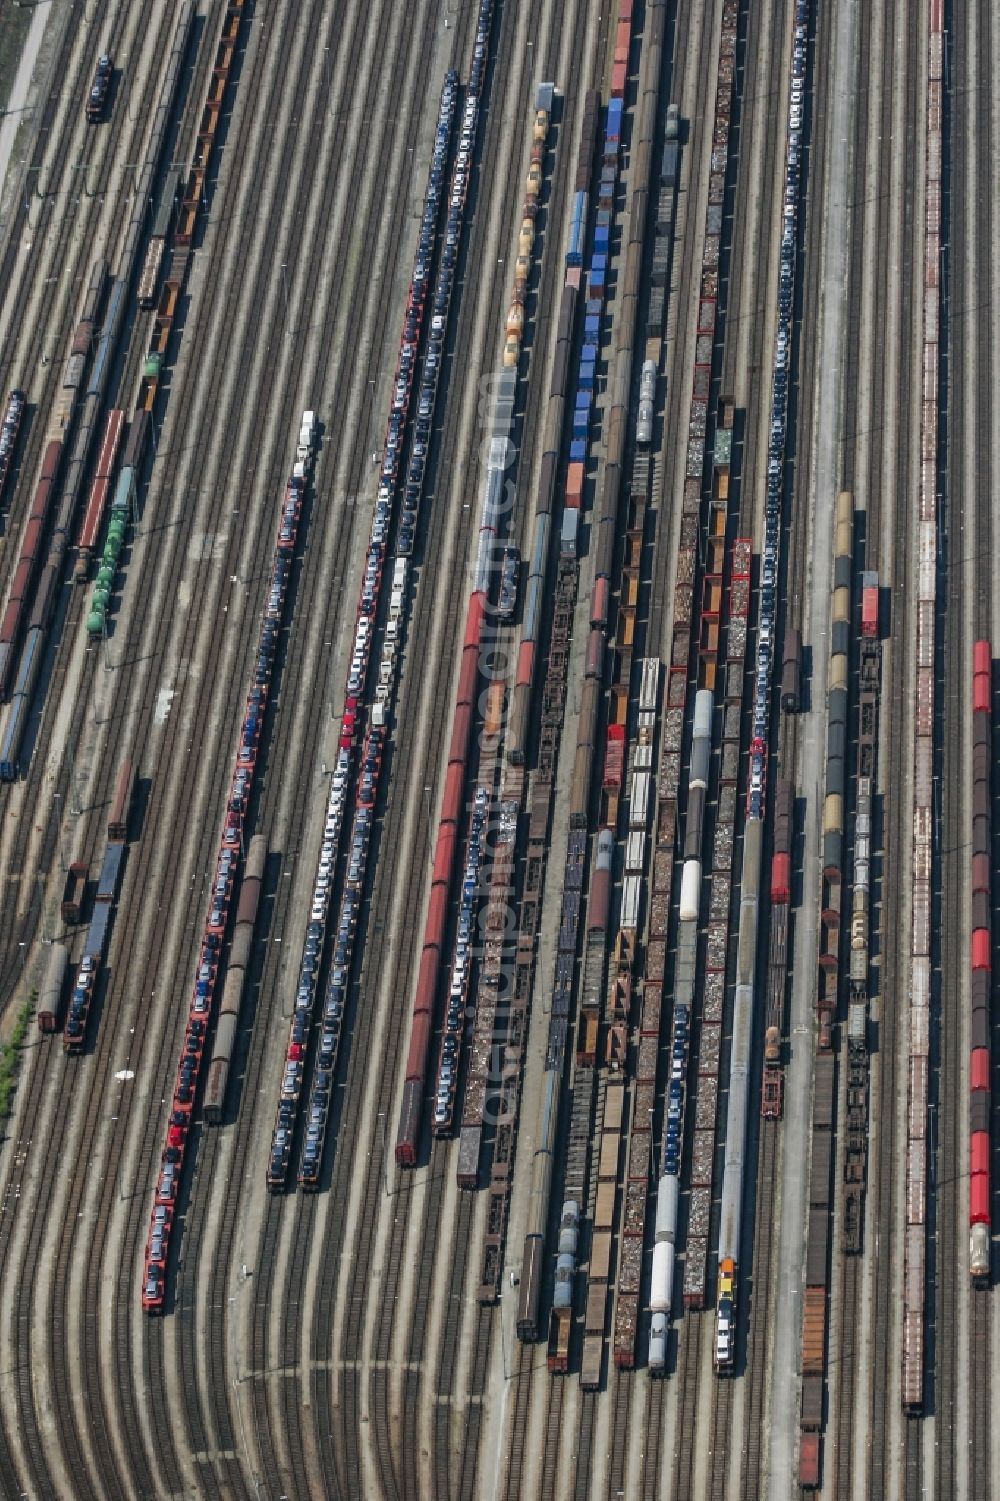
[(577, 452), (583, 401), (591, 326), (588, 354), (587, 377)]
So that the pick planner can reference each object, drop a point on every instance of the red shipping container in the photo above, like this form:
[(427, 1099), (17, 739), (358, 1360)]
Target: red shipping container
[(574, 483), (979, 1199), (623, 36), (982, 658), (980, 1069), (979, 1153), (624, 10), (525, 663), (573, 277), (781, 879), (981, 948), (618, 81), (981, 874), (869, 612), (981, 693)]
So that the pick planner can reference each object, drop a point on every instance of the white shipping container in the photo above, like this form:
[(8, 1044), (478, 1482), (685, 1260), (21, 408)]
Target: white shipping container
[(399, 574), (661, 1284), (650, 683), (631, 892), (634, 852), (642, 758), (639, 800), (691, 891)]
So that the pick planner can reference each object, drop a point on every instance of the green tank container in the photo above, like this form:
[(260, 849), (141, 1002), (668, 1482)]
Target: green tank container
[(95, 622), (111, 551), (116, 533), (100, 600), (105, 577), (151, 369)]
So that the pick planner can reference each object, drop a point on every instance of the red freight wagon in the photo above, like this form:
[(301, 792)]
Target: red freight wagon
[(981, 948), (979, 1154), (869, 604), (980, 1069), (979, 1199), (614, 757), (982, 658), (781, 879)]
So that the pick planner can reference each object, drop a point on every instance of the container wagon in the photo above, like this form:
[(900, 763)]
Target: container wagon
[(50, 997), (122, 802)]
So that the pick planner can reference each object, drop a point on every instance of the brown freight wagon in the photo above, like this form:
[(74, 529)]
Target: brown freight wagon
[(74, 891), (121, 803)]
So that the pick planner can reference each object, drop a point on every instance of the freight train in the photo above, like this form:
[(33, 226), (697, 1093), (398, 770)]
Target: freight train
[(856, 1154), (374, 740), (914, 1289), (231, 847), (980, 1219), (743, 1013), (95, 950), (236, 972)]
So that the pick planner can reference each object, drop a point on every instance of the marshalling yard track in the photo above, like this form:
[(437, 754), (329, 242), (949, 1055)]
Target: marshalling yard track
[(349, 1342)]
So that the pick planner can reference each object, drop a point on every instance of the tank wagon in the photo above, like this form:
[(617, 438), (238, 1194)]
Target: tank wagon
[(982, 980), (744, 1004), (914, 1289), (122, 512), (647, 394), (12, 419), (231, 847)]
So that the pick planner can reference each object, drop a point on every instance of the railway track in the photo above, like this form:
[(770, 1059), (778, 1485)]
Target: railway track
[(962, 1342), (863, 465), (75, 249), (426, 1253)]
